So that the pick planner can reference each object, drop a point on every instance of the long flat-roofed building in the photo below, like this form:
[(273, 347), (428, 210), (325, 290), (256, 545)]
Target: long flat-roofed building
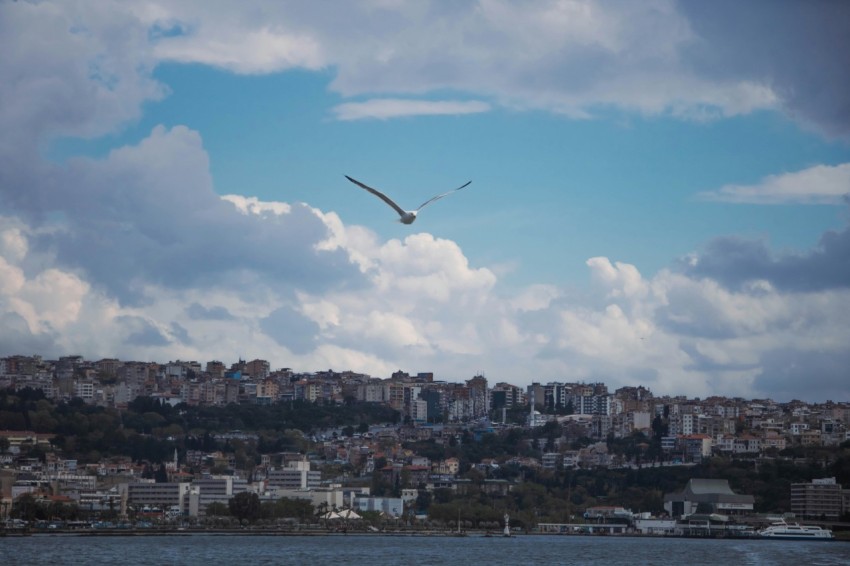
[(216, 489), (156, 495), (297, 475)]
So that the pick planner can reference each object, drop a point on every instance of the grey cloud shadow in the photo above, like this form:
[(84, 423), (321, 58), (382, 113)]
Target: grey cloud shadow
[(735, 261)]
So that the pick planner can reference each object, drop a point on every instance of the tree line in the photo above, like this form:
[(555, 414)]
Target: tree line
[(148, 430)]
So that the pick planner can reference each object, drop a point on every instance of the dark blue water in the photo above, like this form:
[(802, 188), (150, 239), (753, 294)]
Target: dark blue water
[(376, 550)]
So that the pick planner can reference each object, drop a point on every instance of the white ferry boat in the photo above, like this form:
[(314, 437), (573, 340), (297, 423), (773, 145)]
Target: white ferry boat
[(795, 531)]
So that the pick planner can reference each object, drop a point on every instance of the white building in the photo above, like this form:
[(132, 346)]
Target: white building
[(392, 506), (150, 495), (372, 392), (297, 475), (217, 489), (84, 390), (713, 493)]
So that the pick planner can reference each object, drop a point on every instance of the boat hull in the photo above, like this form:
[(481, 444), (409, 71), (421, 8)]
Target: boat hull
[(792, 537)]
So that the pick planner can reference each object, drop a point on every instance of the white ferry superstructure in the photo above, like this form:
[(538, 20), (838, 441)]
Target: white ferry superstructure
[(795, 531)]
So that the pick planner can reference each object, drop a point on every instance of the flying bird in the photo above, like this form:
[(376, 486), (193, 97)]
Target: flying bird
[(407, 216)]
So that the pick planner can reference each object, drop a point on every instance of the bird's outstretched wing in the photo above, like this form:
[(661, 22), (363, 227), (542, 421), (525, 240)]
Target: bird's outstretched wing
[(380, 195), (438, 197)]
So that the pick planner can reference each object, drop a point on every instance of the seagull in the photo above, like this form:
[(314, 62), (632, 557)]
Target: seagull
[(407, 216)]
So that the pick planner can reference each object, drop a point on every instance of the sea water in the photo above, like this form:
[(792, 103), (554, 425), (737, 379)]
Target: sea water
[(377, 550)]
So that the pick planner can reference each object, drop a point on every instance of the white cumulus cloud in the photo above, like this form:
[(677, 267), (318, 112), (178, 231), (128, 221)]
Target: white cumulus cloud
[(385, 108), (820, 184), (133, 253)]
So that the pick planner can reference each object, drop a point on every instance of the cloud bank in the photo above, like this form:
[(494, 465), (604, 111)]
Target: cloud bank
[(134, 255), (418, 304), (574, 58)]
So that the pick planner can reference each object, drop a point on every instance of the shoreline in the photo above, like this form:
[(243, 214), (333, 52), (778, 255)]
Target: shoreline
[(333, 533)]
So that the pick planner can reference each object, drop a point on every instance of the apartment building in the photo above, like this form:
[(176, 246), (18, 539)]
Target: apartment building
[(819, 499)]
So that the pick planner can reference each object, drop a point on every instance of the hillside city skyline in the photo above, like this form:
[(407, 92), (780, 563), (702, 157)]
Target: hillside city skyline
[(156, 445), (38, 367)]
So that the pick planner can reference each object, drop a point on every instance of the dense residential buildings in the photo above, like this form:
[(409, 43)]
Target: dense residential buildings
[(693, 428)]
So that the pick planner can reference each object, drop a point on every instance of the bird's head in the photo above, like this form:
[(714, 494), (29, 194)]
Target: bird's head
[(408, 217)]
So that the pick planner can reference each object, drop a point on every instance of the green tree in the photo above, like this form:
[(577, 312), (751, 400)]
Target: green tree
[(245, 506), (423, 500), (26, 507), (161, 475), (62, 511), (218, 509), (12, 420), (659, 427), (289, 508)]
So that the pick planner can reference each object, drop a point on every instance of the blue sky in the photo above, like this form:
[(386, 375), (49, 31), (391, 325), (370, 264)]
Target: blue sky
[(657, 197), (617, 185)]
